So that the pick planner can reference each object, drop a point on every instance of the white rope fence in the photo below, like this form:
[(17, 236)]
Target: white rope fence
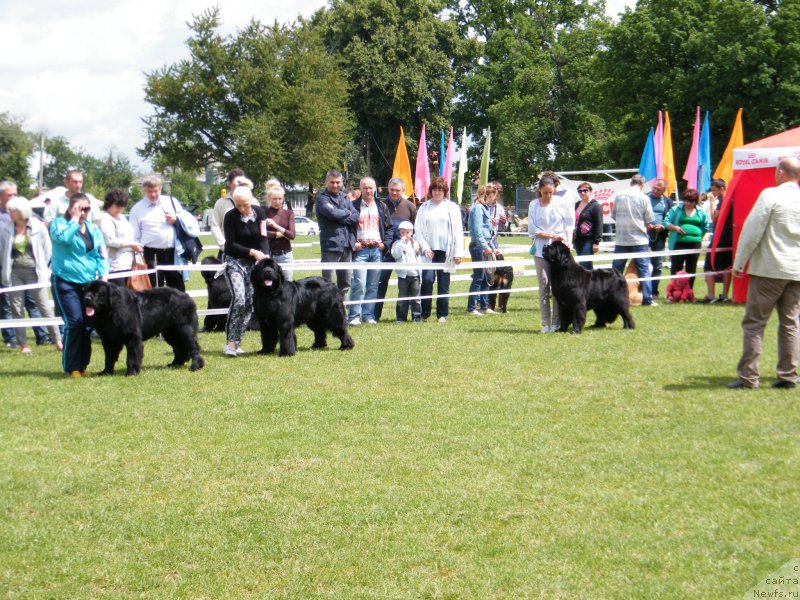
[(315, 265)]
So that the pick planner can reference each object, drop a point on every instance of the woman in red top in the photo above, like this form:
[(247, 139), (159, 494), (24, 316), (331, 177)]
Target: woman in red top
[(280, 227)]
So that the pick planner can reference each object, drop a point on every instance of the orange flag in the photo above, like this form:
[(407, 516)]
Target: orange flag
[(725, 167), (670, 176), (402, 166)]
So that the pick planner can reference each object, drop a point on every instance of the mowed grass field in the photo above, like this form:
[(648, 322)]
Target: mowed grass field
[(472, 459)]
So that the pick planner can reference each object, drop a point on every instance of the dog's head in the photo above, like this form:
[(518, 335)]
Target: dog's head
[(558, 255), (267, 275), (208, 276), (97, 297)]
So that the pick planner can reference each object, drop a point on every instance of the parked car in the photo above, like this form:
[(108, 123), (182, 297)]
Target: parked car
[(305, 226)]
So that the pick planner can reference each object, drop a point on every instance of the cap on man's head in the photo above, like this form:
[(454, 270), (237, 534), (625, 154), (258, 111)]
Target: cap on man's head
[(406, 225)]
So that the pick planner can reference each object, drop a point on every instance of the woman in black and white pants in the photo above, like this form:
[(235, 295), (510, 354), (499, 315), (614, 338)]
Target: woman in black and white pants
[(245, 243)]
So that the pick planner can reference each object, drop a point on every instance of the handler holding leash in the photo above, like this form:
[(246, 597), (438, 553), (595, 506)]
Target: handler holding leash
[(246, 243)]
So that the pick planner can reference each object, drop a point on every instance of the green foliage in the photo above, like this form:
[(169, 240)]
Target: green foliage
[(398, 57), (525, 77), (267, 99), (190, 192), (99, 175), (16, 147), (719, 54)]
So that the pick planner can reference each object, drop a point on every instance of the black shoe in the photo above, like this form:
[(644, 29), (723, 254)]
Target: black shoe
[(738, 385), (786, 385)]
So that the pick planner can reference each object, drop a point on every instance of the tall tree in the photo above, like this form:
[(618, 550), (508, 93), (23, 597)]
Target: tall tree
[(398, 56), (16, 147), (525, 77), (267, 99), (719, 54)]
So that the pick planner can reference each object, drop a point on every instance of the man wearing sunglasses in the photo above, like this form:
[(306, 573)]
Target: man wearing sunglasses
[(656, 231)]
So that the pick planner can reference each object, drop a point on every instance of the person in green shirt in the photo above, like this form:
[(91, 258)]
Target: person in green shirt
[(686, 225)]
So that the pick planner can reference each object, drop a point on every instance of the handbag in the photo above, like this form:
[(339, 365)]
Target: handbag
[(140, 282), (187, 230)]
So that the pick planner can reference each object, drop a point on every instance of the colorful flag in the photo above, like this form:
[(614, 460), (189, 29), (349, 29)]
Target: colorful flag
[(725, 167), (670, 175), (704, 158), (647, 166), (484, 177), (422, 174), (441, 154), (462, 167), (448, 160), (402, 166), (690, 174), (658, 144)]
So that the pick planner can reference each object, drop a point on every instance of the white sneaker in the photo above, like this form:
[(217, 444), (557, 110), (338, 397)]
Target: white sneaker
[(240, 351), (489, 311), (354, 322), (442, 319), (475, 313), (371, 322), (228, 351)]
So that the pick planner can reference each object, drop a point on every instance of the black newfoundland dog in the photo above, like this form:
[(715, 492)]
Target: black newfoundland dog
[(123, 317), (282, 305), (502, 279), (219, 296), (577, 290)]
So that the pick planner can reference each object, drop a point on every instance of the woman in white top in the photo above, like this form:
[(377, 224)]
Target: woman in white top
[(25, 252), (118, 234), (441, 240), (549, 218)]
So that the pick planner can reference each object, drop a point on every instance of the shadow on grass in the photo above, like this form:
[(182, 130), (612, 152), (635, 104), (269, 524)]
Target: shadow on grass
[(700, 382)]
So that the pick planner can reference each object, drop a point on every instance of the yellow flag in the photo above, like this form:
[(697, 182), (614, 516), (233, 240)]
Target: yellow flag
[(725, 167), (668, 158), (402, 166)]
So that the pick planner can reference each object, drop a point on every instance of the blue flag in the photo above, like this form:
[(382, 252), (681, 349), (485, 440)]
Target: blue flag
[(647, 166), (704, 158), (442, 154)]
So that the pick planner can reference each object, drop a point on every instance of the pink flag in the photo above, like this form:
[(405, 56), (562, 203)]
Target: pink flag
[(690, 174), (448, 161), (659, 143), (422, 173)]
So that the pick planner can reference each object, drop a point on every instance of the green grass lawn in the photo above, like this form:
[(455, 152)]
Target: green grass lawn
[(474, 459)]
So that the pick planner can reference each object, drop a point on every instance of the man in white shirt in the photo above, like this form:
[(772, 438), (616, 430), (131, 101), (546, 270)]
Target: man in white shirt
[(153, 220), (770, 241), (632, 213), (73, 181)]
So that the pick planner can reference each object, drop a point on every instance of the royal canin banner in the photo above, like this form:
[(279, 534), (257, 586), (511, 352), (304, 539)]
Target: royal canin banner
[(761, 158), (602, 192)]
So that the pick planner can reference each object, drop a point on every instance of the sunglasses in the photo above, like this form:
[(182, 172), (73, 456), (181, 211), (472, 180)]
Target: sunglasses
[(584, 191), (86, 209)]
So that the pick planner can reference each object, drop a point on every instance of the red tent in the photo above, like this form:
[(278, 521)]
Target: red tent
[(753, 170)]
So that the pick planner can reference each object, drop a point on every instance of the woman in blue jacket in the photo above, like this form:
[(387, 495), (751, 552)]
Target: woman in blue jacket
[(480, 248), (79, 256)]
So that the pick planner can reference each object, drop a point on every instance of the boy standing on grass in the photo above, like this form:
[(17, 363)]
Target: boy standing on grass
[(406, 252)]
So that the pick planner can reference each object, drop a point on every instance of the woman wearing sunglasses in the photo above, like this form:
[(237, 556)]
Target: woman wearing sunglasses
[(588, 224), (79, 256)]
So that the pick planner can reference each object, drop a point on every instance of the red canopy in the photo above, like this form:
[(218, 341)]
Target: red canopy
[(753, 170)]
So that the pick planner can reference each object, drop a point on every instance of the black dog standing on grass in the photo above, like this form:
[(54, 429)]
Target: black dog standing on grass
[(123, 317), (577, 290), (282, 306), (502, 279)]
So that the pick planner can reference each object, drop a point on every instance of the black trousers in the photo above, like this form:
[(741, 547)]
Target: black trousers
[(163, 256)]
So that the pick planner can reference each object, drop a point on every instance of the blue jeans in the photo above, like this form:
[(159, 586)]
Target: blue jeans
[(443, 287), (364, 284), (77, 333), (584, 248), (383, 286), (642, 270), (282, 259), (479, 283), (9, 335), (657, 261)]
